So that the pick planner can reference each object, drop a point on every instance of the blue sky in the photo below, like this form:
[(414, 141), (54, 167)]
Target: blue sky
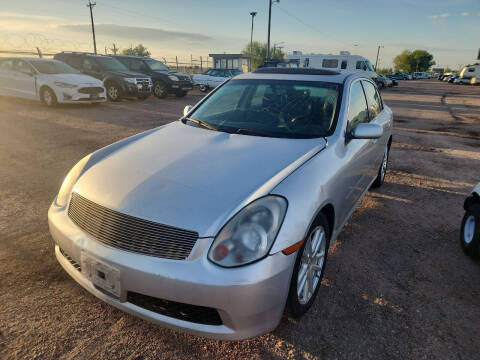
[(449, 29)]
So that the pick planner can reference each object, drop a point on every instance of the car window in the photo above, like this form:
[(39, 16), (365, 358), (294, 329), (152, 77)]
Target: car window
[(344, 64), (88, 64), (361, 65), (74, 61), (373, 99), (357, 107), (275, 108), (330, 63), (471, 70), (6, 64), (137, 65), (22, 66), (52, 67)]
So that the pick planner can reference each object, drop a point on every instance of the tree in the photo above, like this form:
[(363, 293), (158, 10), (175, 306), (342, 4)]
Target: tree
[(138, 50), (418, 60), (259, 53)]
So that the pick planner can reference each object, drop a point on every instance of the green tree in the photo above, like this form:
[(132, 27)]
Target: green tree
[(259, 53), (138, 50), (410, 61)]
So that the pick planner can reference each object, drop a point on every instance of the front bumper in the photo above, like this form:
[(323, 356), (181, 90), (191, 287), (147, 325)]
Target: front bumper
[(179, 86), (72, 96), (250, 300), (134, 90)]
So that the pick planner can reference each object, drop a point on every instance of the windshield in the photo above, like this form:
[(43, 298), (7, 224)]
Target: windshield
[(273, 108), (156, 65), (108, 63), (52, 67), (369, 66)]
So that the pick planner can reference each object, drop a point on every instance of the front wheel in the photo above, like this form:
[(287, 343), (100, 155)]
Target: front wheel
[(48, 97), (470, 234), (160, 90), (114, 92), (203, 88), (383, 169), (309, 267)]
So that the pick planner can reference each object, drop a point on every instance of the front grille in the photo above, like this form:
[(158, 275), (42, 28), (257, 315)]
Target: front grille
[(73, 262), (145, 82), (91, 90), (191, 313), (130, 233)]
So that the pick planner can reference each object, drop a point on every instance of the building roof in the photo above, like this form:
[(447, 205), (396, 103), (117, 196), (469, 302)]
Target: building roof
[(230, 56)]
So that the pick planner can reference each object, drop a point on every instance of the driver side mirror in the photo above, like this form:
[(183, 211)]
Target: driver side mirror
[(366, 131), (187, 109)]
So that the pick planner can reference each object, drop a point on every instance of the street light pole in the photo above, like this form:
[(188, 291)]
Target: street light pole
[(91, 5), (253, 13), (378, 52)]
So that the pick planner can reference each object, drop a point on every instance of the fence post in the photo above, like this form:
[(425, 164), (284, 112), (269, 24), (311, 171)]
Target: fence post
[(191, 61), (201, 64), (176, 61)]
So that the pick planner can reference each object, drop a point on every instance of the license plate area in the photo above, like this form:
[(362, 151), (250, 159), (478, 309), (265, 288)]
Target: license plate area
[(101, 274), (93, 96)]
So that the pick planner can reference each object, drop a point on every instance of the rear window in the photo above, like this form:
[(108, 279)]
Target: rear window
[(330, 63)]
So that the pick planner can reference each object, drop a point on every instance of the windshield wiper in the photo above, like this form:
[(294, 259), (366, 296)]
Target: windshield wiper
[(201, 123), (243, 131)]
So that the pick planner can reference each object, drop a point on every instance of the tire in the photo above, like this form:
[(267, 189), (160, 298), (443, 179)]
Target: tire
[(470, 233), (160, 90), (203, 88), (382, 171), (301, 298), (181, 94), (114, 93), (48, 97)]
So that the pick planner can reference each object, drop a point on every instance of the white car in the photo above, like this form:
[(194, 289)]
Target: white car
[(210, 79), (50, 81)]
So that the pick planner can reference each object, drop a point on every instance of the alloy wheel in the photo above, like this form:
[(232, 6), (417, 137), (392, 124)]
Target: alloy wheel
[(47, 97), (383, 169), (113, 92), (159, 90), (311, 265)]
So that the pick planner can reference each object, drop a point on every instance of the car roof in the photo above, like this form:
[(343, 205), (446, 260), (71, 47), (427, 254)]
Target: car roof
[(300, 74)]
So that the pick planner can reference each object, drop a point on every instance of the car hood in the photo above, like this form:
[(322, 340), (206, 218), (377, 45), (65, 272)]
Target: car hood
[(77, 79), (130, 74), (189, 177)]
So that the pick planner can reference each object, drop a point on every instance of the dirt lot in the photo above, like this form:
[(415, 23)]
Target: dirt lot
[(397, 285)]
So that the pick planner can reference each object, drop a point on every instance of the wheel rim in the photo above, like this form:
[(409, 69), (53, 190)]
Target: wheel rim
[(311, 265), (159, 90), (47, 97), (113, 92), (469, 229), (383, 169), (202, 88)]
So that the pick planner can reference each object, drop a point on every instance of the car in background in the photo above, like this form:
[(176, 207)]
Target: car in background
[(470, 230), (475, 80), (211, 78), (391, 77), (421, 75), (451, 78), (469, 72), (218, 222), (117, 79), (399, 76), (50, 81), (164, 80), (382, 81)]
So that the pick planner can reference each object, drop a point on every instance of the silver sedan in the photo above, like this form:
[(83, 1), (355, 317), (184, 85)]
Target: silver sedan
[(217, 223)]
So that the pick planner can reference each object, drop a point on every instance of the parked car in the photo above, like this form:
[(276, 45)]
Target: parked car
[(399, 76), (117, 79), (475, 81), (382, 81), (164, 80), (391, 77), (211, 224), (470, 232), (452, 78), (211, 78), (421, 75), (469, 72), (50, 81)]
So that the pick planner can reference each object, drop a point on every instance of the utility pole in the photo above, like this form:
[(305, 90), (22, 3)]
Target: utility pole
[(91, 5), (114, 49), (378, 52), (269, 26)]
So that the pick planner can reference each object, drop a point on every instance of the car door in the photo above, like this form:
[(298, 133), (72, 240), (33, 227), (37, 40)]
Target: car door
[(357, 153), (378, 116), (24, 79), (7, 81)]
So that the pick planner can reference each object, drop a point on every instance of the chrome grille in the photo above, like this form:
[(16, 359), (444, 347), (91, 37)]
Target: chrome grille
[(91, 90), (145, 82), (130, 233)]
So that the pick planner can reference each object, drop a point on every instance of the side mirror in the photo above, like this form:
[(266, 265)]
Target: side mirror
[(366, 131), (187, 109)]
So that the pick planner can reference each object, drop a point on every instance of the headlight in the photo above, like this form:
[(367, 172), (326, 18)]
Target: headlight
[(65, 85), (173, 77), (70, 181), (249, 235), (130, 80)]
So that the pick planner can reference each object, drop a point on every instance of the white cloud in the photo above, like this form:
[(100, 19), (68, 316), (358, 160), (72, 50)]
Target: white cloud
[(439, 16), (465, 13)]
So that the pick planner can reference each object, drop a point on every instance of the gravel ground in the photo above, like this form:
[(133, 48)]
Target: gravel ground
[(397, 285)]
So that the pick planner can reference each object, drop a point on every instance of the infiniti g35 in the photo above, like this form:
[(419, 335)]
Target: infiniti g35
[(218, 222)]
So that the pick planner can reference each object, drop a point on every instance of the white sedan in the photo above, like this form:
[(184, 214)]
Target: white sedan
[(210, 79), (50, 81)]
